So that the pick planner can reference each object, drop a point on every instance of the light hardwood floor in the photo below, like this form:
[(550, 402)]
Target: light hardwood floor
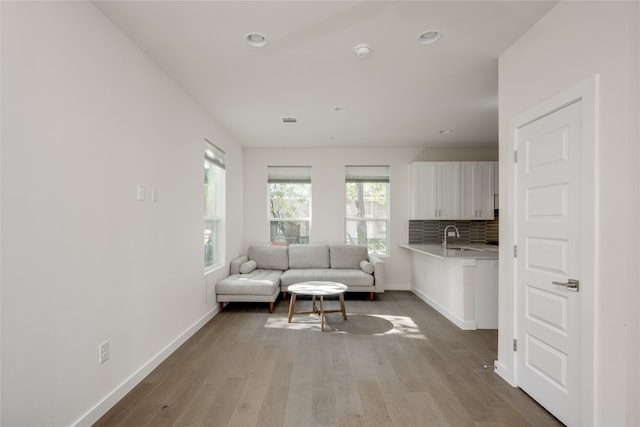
[(394, 362)]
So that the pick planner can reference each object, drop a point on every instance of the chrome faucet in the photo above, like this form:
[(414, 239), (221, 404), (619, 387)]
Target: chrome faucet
[(446, 230)]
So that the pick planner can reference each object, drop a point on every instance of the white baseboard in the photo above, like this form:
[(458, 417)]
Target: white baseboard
[(396, 287), (504, 373), (464, 325), (114, 397)]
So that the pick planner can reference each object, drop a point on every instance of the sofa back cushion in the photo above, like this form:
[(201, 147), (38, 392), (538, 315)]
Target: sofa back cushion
[(348, 256), (308, 256), (270, 257)]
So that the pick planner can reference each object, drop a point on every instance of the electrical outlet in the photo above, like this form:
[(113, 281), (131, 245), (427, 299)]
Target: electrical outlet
[(104, 352), (451, 233)]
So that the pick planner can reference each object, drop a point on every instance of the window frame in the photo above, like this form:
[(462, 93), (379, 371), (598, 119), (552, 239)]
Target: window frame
[(369, 174), (288, 175), (215, 158)]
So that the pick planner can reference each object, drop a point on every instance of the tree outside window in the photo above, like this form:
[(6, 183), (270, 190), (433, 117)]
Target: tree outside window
[(213, 190), (289, 205), (367, 207)]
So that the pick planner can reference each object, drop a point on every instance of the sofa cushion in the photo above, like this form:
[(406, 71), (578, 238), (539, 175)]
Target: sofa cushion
[(348, 256), (350, 277), (308, 256), (366, 266), (248, 267), (270, 257), (258, 282)]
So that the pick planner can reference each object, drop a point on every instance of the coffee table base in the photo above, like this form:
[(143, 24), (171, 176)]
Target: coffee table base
[(314, 308)]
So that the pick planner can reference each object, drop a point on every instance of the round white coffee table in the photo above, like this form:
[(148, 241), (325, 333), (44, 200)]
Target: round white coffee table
[(317, 289)]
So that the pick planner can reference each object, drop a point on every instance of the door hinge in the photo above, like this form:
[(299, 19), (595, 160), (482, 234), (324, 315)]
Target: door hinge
[(515, 344), (515, 251), (515, 157)]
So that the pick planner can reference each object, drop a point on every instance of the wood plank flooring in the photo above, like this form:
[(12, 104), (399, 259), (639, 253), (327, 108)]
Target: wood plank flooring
[(394, 362)]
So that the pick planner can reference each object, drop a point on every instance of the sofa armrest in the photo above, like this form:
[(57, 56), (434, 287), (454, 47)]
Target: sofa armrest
[(378, 272), (234, 267)]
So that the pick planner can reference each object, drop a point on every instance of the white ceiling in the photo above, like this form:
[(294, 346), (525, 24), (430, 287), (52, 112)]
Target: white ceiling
[(401, 95)]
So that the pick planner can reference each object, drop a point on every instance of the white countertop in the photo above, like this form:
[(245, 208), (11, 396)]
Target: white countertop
[(468, 251)]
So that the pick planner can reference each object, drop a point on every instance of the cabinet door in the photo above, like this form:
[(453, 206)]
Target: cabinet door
[(448, 190), (477, 190), (486, 190), (469, 189), (423, 190)]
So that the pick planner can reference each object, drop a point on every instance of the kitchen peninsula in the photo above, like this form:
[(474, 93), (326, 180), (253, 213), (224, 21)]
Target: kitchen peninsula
[(460, 282)]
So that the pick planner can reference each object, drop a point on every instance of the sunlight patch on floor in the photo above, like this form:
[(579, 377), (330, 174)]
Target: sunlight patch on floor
[(358, 324)]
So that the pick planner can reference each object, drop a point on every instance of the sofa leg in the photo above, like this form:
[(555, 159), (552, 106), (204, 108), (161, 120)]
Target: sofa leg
[(284, 296), (220, 305), (271, 307), (371, 296)]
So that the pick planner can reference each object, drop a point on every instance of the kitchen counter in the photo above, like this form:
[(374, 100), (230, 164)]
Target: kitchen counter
[(460, 284), (455, 251)]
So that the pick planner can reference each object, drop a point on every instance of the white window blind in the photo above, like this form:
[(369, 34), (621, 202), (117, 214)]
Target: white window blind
[(289, 175), (367, 174), (214, 154)]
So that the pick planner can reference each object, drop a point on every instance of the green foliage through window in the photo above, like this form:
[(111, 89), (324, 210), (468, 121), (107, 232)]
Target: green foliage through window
[(367, 213), (289, 213)]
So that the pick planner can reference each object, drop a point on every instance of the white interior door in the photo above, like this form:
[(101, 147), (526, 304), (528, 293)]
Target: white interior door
[(547, 236)]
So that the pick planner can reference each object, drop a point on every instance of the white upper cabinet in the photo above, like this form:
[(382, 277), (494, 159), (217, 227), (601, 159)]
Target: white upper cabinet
[(435, 190), (452, 190), (448, 190), (477, 190)]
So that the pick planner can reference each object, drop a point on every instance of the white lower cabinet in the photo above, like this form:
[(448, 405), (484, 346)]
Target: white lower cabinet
[(465, 291)]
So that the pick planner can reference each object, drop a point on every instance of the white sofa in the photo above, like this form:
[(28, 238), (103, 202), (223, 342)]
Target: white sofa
[(268, 270)]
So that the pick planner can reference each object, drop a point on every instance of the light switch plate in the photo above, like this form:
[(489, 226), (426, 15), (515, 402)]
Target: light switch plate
[(104, 352), (140, 192)]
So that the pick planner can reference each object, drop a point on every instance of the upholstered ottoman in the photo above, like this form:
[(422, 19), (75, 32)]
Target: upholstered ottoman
[(254, 278), (257, 286)]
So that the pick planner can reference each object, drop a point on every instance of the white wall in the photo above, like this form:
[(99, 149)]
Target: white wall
[(572, 42), (86, 117), (328, 198)]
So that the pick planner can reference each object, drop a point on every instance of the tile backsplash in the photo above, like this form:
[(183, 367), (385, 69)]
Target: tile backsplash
[(471, 232)]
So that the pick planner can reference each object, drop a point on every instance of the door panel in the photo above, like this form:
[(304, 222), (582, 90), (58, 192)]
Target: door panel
[(547, 308), (548, 221)]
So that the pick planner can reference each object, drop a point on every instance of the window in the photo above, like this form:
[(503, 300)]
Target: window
[(289, 204), (213, 199), (367, 214)]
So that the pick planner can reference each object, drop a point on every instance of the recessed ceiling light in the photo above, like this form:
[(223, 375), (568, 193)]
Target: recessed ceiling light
[(340, 109), (444, 131), (362, 50), (289, 120), (429, 36), (256, 39)]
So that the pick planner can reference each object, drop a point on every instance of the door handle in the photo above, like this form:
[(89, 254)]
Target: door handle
[(571, 284)]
